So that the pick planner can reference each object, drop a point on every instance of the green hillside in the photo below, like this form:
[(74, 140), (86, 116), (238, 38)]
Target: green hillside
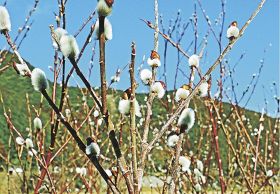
[(15, 89)]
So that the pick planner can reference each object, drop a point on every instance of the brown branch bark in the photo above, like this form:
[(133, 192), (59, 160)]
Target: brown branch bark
[(102, 65), (80, 143), (132, 119)]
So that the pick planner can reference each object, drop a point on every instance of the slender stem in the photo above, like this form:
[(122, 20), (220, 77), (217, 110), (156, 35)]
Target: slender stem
[(175, 169), (257, 148), (233, 149), (14, 48), (80, 143), (156, 26), (103, 108), (149, 105), (87, 84), (168, 38), (27, 19), (81, 53), (195, 29), (121, 162), (85, 23), (102, 65), (132, 119), (217, 149), (175, 163)]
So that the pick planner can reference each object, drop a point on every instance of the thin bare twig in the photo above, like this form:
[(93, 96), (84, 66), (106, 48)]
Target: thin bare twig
[(132, 119)]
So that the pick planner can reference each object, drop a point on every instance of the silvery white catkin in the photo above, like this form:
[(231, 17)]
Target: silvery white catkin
[(108, 172), (19, 140), (194, 61), (154, 62), (172, 140), (146, 76), (203, 89), (69, 46), (124, 107), (108, 30), (39, 80), (232, 31), (185, 163), (58, 32), (103, 9), (181, 93), (93, 148), (37, 123), (158, 88), (29, 143), (5, 22), (81, 171), (187, 118)]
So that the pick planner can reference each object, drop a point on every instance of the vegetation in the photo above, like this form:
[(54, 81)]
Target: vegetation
[(71, 139)]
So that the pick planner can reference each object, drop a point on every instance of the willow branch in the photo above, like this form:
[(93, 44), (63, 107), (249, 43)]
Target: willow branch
[(80, 143), (257, 148), (238, 161), (167, 37), (206, 75), (132, 119), (87, 84), (102, 65)]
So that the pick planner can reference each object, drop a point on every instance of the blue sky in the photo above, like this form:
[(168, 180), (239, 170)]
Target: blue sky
[(263, 33)]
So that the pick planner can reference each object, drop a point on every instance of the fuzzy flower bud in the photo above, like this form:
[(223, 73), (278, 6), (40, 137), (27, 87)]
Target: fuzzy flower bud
[(99, 122), (197, 187), (269, 173), (146, 76), (59, 32), (19, 140), (32, 152), (92, 147), (154, 59), (199, 165), (115, 79), (194, 61), (108, 172), (197, 173), (185, 163), (39, 80), (104, 7), (203, 89), (37, 123), (158, 88), (232, 31), (81, 171), (186, 120), (108, 31), (19, 170), (69, 46), (29, 143), (181, 94), (96, 113), (124, 107), (67, 113), (172, 140), (5, 23)]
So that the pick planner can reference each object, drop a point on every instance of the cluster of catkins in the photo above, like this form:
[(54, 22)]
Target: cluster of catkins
[(67, 45)]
